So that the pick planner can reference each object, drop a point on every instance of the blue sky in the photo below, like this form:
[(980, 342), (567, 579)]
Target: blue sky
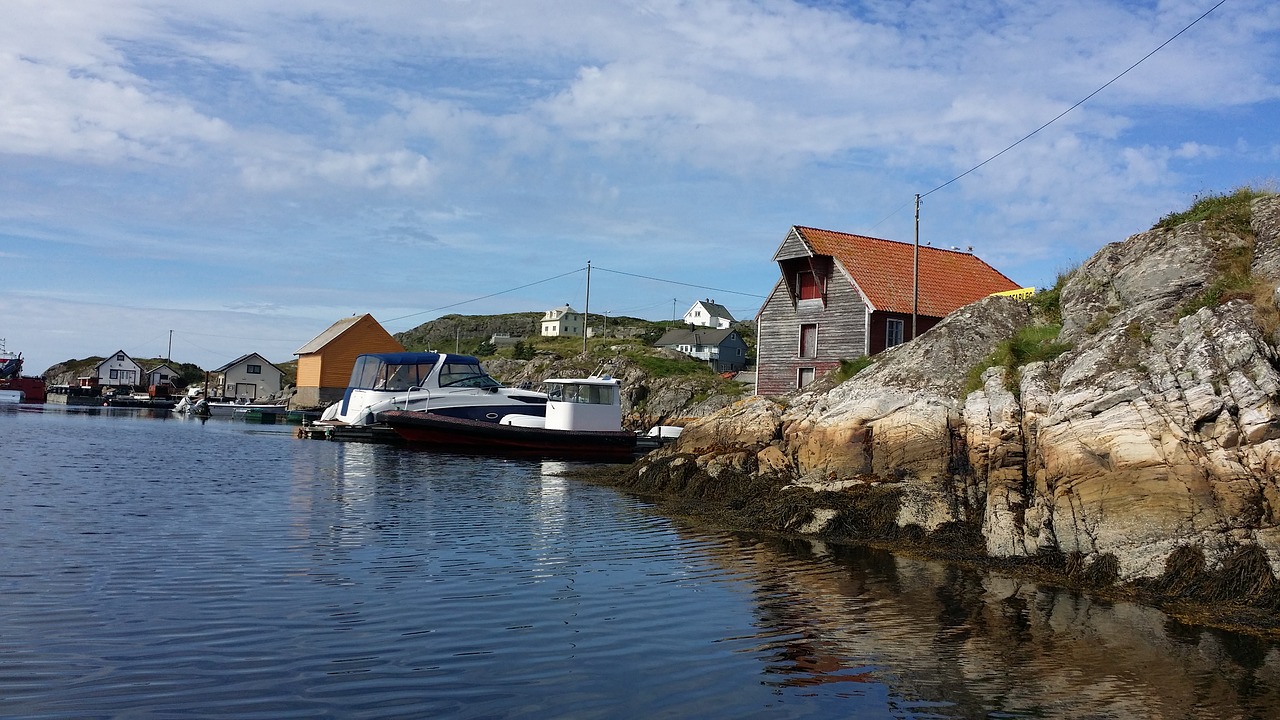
[(243, 174)]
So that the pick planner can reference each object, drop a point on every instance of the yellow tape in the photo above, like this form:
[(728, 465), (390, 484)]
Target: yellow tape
[(1019, 294)]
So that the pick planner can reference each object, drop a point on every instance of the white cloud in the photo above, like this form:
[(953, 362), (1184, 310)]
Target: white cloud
[(279, 140)]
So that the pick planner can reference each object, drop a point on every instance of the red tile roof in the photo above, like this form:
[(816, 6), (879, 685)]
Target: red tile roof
[(949, 279)]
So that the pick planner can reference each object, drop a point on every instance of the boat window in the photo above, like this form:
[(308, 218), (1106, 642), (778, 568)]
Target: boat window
[(585, 394), (365, 372), (595, 394), (395, 377), (455, 374)]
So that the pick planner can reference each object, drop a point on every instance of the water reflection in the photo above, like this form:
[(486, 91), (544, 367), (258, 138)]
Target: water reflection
[(980, 642), (267, 576)]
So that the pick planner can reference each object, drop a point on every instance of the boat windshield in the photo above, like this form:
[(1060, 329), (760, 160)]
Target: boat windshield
[(588, 394), (372, 373), (466, 374)]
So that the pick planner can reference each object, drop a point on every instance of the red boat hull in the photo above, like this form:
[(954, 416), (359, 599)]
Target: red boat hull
[(450, 433), (32, 388)]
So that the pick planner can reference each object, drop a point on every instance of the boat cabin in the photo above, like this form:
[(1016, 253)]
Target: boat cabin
[(584, 404)]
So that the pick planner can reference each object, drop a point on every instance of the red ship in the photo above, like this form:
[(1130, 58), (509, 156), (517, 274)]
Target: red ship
[(32, 389)]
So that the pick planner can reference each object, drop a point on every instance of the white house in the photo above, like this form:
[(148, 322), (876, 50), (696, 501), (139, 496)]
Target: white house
[(707, 313), (161, 375), (563, 321), (118, 370), (723, 349), (249, 377)]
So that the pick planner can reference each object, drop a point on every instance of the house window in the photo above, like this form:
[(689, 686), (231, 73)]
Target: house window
[(120, 357), (809, 340), (892, 332), (804, 377), (253, 369), (807, 287), (115, 374)]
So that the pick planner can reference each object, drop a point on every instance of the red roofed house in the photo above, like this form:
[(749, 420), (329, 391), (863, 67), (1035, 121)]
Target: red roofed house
[(843, 296)]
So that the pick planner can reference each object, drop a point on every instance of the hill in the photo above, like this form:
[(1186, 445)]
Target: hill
[(470, 334)]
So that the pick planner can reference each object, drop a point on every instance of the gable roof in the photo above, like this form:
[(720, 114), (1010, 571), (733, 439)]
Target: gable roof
[(882, 269), (242, 358), (112, 357), (714, 309), (329, 334), (698, 336), (559, 313)]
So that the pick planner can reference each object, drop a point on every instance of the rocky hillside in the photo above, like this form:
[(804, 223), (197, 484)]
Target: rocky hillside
[(1138, 450)]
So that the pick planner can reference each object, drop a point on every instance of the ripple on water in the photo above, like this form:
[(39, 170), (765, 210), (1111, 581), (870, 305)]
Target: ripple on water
[(166, 568)]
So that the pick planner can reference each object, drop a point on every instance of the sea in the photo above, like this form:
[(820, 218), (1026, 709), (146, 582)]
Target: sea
[(158, 566)]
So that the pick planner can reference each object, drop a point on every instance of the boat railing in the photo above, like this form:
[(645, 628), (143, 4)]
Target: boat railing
[(408, 395)]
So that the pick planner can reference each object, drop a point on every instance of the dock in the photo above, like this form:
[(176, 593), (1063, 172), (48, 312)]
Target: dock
[(348, 433)]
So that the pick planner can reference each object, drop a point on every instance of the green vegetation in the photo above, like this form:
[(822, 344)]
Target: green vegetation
[(849, 368), (1227, 212), (657, 366), (1032, 343), (1046, 305), (1233, 277), (1233, 280)]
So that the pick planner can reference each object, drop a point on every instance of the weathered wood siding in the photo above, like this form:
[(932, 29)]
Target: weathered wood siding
[(842, 333), (792, 247)]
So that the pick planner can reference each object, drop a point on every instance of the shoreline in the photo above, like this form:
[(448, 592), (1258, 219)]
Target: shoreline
[(754, 504)]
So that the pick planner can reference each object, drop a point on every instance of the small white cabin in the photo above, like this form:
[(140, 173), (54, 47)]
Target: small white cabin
[(591, 404)]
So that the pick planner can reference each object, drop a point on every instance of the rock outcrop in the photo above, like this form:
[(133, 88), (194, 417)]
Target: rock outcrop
[(1146, 453)]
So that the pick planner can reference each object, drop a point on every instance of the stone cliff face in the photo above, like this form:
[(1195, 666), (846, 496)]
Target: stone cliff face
[(1149, 449)]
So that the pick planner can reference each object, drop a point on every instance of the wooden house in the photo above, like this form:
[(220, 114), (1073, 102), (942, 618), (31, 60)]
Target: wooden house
[(843, 296), (161, 375), (248, 377), (324, 364), (724, 349), (118, 370), (563, 321), (708, 313)]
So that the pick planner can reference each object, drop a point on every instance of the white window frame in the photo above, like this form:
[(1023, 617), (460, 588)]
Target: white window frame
[(889, 325), (801, 373)]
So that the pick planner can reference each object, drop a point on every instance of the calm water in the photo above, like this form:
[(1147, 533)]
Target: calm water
[(160, 568)]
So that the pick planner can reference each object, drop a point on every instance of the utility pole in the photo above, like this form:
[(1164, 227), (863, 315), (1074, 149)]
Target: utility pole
[(586, 312), (915, 273), (168, 358)]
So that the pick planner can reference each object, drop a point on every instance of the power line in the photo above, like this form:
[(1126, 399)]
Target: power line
[(677, 282), (565, 274), (486, 297), (1073, 107)]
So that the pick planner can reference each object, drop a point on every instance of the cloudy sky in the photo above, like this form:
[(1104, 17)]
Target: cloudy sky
[(245, 173)]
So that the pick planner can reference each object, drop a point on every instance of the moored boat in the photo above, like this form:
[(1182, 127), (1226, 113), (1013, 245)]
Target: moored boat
[(16, 387), (583, 419), (196, 405), (439, 383)]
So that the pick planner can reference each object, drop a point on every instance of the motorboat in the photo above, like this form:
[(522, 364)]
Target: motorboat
[(197, 405), (427, 382), (583, 419)]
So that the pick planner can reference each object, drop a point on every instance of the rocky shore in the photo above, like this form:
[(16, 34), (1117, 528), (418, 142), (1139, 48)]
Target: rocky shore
[(1140, 457)]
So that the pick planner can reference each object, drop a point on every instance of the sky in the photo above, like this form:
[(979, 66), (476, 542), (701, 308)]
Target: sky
[(204, 180)]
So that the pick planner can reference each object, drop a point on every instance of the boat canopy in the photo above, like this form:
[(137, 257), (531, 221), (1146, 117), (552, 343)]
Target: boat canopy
[(392, 371)]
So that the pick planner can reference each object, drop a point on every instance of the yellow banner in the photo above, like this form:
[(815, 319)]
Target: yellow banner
[(1019, 294)]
